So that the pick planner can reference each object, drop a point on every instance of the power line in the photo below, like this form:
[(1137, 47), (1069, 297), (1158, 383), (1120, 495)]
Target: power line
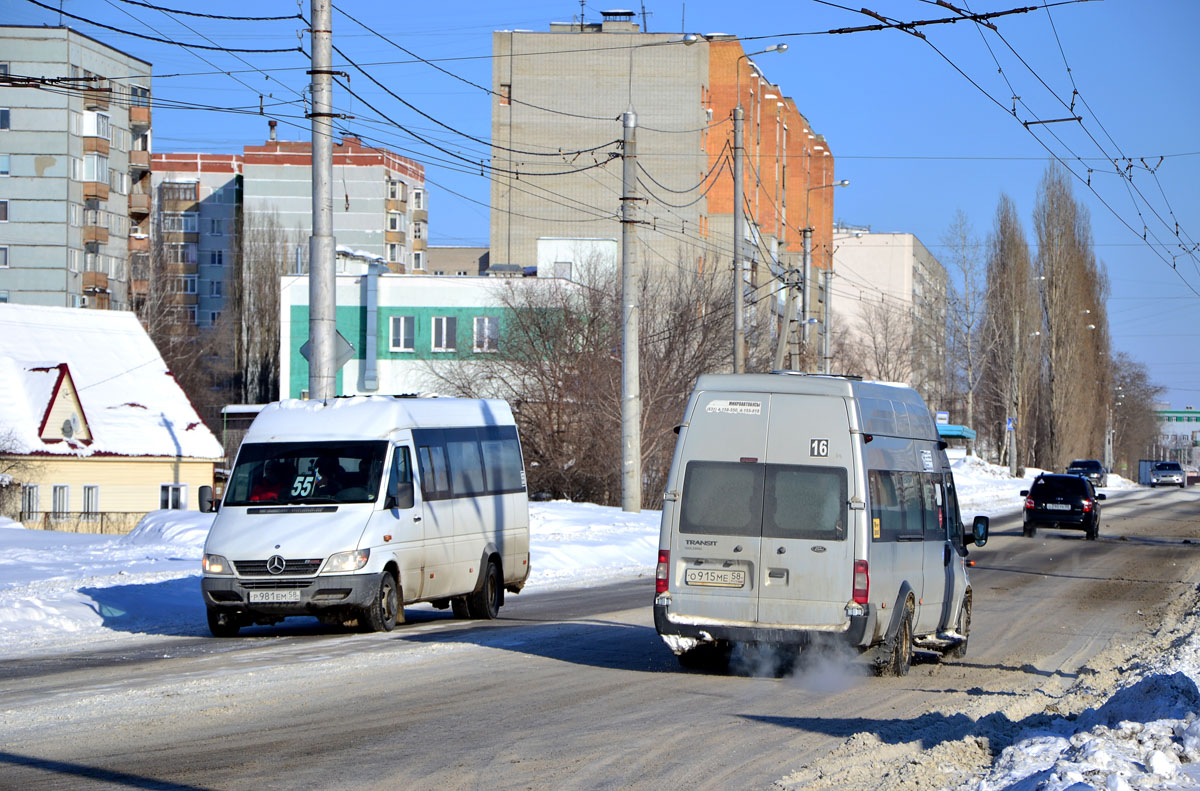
[(214, 16)]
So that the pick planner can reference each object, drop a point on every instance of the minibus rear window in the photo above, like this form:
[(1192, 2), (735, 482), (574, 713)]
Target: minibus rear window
[(805, 502), (722, 498)]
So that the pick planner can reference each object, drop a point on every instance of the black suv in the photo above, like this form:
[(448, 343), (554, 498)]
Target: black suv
[(1091, 469), (1067, 502)]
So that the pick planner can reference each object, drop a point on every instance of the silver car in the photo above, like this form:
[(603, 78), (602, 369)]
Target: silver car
[(1167, 473)]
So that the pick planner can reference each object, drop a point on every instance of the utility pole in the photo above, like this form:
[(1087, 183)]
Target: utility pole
[(807, 279), (739, 221), (789, 314), (1014, 398), (826, 357), (631, 403), (322, 303)]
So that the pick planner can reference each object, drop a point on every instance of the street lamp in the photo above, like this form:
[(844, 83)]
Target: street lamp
[(808, 232), (739, 117), (631, 397)]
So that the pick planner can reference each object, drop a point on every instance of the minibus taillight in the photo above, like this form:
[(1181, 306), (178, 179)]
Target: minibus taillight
[(862, 582), (662, 572)]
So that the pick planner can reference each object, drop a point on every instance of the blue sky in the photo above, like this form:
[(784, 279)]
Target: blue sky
[(909, 120)]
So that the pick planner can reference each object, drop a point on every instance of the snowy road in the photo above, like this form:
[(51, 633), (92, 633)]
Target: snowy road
[(573, 689)]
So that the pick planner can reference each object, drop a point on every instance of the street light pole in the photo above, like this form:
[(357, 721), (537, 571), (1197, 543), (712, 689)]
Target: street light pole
[(322, 301), (739, 220), (807, 279), (631, 275)]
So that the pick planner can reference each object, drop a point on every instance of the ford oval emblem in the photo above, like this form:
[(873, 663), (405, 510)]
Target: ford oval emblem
[(817, 549)]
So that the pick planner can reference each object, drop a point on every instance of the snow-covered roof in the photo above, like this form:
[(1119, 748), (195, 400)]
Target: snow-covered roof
[(129, 404)]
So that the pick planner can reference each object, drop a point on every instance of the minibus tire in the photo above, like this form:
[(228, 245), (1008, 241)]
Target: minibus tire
[(222, 623), (484, 604), (899, 656), (383, 612), (461, 607), (963, 627)]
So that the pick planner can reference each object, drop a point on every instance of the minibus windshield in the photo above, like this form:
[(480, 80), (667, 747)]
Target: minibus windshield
[(292, 473)]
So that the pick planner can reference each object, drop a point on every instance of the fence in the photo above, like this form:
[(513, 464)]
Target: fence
[(110, 523)]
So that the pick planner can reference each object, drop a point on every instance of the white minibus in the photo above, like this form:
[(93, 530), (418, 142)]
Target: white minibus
[(807, 506), (350, 508)]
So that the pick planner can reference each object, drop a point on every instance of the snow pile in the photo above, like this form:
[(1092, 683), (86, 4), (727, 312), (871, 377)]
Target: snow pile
[(1145, 735), (577, 543)]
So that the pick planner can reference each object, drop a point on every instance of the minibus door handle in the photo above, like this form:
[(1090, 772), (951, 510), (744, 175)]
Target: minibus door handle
[(781, 550), (416, 517)]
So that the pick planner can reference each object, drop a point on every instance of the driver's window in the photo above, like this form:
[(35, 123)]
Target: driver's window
[(401, 477), (952, 515)]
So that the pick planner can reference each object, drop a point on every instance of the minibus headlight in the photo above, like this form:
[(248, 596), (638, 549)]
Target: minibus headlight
[(216, 564), (348, 561)]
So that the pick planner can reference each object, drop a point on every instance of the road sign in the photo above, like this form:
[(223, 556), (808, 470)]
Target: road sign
[(943, 418), (343, 351), (1010, 424)]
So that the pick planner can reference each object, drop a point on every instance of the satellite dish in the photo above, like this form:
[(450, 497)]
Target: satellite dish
[(68, 428)]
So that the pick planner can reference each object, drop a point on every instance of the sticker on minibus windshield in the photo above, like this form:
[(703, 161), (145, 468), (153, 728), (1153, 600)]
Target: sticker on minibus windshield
[(927, 460), (735, 407)]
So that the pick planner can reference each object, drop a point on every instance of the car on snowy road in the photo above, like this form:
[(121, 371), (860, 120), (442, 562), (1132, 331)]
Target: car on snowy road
[(1067, 502)]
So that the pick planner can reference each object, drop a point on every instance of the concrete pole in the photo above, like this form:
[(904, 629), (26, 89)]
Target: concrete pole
[(826, 357), (789, 314), (1014, 400), (631, 395), (739, 297), (322, 306), (807, 279)]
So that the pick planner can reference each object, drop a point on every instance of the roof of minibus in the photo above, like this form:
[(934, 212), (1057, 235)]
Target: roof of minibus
[(885, 408), (370, 417)]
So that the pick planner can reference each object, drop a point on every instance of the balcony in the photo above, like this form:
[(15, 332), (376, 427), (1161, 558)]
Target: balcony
[(139, 116), (420, 215), (95, 234), (139, 160), (139, 203), (419, 244), (95, 98), (96, 145), (396, 205), (95, 190), (393, 237), (139, 244), (95, 282)]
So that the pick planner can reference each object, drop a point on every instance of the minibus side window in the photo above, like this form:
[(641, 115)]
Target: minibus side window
[(935, 527), (722, 498), (466, 463), (805, 502), (501, 459), (400, 481), (887, 513), (431, 459)]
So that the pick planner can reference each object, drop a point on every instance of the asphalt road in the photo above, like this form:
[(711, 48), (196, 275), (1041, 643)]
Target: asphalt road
[(570, 690)]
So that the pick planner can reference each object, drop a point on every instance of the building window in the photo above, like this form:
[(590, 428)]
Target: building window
[(216, 258), (179, 222), (396, 190), (418, 259), (445, 329), (216, 288), (5, 161), (91, 503), (3, 211), (95, 167), (187, 284), (3, 297), (418, 199), (403, 330), (190, 314), (172, 496), (139, 96), (3, 118), (418, 230), (216, 226), (96, 125), (213, 317), (3, 68), (3, 257), (393, 252), (505, 94), (29, 502), (60, 502), (395, 221), (179, 190), (180, 253), (487, 334)]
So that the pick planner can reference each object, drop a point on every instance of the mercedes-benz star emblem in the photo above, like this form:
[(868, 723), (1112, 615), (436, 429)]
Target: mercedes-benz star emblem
[(276, 564)]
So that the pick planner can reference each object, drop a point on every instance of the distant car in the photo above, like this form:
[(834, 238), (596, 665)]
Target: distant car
[(1167, 473), (1091, 469), (1067, 502)]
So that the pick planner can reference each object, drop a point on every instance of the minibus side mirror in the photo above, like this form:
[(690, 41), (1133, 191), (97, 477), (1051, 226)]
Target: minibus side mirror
[(207, 504), (979, 530), (402, 498)]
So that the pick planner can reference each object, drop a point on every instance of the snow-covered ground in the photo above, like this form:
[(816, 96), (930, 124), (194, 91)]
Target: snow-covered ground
[(61, 591)]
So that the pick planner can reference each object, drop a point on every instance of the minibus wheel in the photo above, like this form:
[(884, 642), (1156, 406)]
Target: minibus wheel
[(963, 627), (383, 612), (484, 603), (899, 656), (222, 623)]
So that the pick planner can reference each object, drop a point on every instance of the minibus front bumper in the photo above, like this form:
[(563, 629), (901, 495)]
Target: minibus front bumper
[(281, 598), (859, 632)]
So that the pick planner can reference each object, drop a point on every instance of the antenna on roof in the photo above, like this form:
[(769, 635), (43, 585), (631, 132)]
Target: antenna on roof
[(582, 3)]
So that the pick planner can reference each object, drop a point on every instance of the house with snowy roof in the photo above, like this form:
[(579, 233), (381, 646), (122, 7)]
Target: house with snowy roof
[(94, 430)]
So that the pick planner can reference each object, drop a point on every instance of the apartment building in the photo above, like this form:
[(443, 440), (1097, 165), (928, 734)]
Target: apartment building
[(556, 131), (196, 227), (889, 300), (380, 205), (74, 168)]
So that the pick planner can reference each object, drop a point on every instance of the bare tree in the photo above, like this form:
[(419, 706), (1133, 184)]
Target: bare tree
[(253, 305), (1077, 355), (1134, 420), (968, 343), (882, 346), (13, 469), (559, 366)]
